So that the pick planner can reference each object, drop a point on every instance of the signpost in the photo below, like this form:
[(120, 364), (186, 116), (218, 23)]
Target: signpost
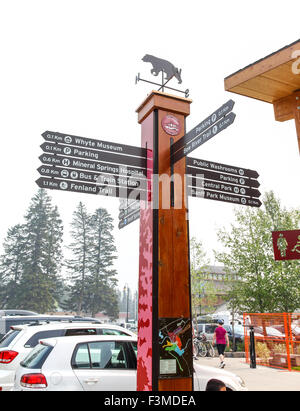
[(96, 155), (129, 219), (227, 198), (286, 245), (226, 188), (232, 180), (85, 165), (85, 142), (223, 168), (210, 127), (205, 124), (101, 167), (91, 177), (89, 188), (129, 212)]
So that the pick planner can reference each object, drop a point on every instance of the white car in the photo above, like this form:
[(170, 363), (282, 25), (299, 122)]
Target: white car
[(96, 363), (17, 343)]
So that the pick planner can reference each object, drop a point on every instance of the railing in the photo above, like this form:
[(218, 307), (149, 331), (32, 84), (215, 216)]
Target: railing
[(277, 339)]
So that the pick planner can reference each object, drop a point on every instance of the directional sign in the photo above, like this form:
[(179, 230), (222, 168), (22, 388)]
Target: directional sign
[(222, 177), (85, 142), (85, 153), (205, 124), (227, 188), (125, 203), (203, 137), (132, 209), (286, 245), (223, 168), (91, 177), (101, 167), (88, 188), (133, 217), (228, 198)]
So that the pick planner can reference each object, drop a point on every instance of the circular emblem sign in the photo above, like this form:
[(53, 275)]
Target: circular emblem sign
[(171, 125)]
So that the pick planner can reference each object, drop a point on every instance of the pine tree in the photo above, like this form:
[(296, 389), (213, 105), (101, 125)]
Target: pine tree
[(102, 280), (79, 264), (11, 266), (42, 255)]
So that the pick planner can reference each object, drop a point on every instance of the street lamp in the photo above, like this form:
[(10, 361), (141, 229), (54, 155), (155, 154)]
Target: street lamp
[(126, 288)]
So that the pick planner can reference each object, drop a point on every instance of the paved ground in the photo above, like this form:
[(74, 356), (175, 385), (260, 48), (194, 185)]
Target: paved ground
[(260, 378)]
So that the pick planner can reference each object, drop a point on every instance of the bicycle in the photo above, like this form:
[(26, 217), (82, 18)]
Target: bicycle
[(203, 347)]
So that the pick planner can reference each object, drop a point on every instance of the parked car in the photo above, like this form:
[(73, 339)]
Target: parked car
[(7, 322), (96, 363), (207, 329), (238, 333), (16, 344), (270, 332)]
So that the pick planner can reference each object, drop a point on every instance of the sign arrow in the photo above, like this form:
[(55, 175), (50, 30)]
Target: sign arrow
[(205, 124), (88, 188), (126, 203), (223, 168), (227, 198), (133, 217), (204, 137), (93, 155), (85, 142), (222, 177), (90, 177), (101, 167), (132, 209), (227, 188)]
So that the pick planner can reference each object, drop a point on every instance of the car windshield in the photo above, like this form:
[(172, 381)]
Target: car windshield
[(8, 338)]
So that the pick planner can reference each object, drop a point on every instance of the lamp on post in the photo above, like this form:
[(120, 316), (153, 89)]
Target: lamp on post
[(126, 288)]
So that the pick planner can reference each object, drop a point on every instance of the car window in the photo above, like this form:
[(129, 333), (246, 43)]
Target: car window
[(82, 357), (33, 341), (210, 329), (100, 355), (8, 338), (81, 331), (134, 347), (108, 331), (36, 358)]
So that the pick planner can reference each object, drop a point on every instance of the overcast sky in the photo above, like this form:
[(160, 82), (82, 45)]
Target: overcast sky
[(70, 66)]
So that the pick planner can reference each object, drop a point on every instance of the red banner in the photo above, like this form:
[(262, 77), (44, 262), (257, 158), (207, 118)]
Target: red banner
[(286, 245)]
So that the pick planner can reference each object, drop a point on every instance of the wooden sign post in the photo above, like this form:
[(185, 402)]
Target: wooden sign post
[(164, 324)]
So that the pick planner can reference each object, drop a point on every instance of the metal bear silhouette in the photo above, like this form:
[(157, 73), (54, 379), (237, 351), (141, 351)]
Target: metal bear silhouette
[(163, 65)]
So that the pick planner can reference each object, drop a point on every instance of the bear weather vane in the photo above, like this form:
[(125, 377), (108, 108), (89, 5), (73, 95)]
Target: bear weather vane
[(167, 70)]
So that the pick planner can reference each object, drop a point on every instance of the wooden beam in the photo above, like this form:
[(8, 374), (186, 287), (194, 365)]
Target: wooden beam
[(284, 108), (297, 116), (288, 108)]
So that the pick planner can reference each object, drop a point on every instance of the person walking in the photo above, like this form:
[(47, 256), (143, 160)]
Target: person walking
[(221, 339)]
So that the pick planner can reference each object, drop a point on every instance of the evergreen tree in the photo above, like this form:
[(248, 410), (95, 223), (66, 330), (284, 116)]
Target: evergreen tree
[(79, 264), (41, 257), (11, 266), (102, 280)]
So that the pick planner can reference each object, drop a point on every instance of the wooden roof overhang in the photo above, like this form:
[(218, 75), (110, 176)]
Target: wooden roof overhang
[(275, 79)]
